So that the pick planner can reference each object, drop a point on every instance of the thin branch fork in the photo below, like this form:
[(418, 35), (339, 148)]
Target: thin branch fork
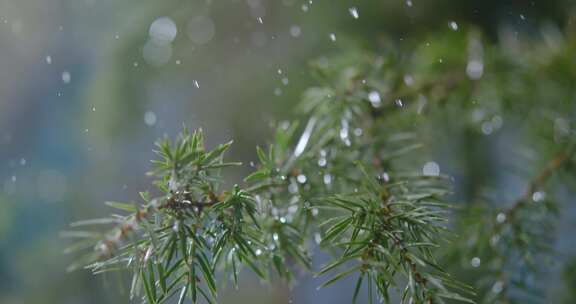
[(553, 165)]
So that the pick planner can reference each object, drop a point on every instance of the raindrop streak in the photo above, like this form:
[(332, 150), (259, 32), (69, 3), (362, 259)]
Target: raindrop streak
[(332, 36), (305, 137), (260, 20), (354, 12), (196, 84)]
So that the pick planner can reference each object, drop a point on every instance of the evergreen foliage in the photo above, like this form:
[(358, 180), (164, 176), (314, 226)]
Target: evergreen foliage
[(349, 180)]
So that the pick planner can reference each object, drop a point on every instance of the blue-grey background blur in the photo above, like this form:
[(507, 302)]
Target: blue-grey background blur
[(86, 86)]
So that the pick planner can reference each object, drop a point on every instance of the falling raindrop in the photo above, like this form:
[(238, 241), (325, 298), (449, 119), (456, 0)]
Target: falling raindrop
[(163, 30), (285, 81), (295, 31), (475, 69), (278, 91), (327, 179), (497, 287), (374, 98), (501, 218), (453, 25), (301, 178), (93, 109), (475, 262), (66, 77), (399, 102), (354, 12), (305, 137), (196, 84), (305, 8), (156, 54), (260, 20), (22, 161), (49, 59), (201, 29), (150, 118), (332, 36), (538, 196), (408, 80), (487, 128), (275, 236), (385, 177), (258, 252), (431, 169), (409, 3)]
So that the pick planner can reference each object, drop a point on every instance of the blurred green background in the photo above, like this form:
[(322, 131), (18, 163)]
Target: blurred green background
[(86, 86)]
